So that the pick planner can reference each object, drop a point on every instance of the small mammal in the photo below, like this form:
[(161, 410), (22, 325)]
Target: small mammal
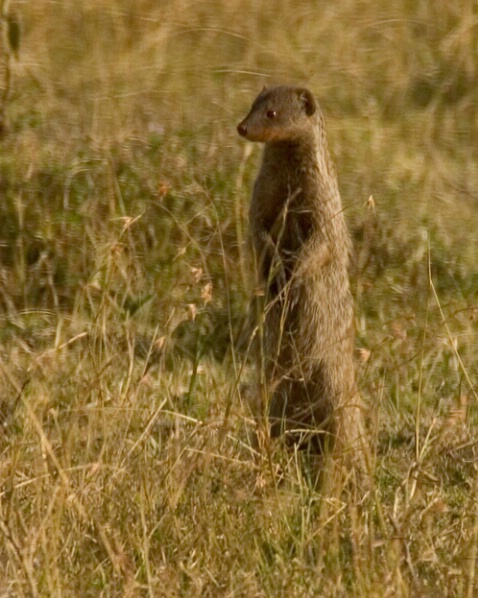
[(301, 245)]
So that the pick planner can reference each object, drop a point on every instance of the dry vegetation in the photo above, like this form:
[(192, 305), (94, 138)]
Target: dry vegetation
[(124, 275)]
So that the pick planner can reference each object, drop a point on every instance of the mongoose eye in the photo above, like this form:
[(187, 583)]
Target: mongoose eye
[(271, 114)]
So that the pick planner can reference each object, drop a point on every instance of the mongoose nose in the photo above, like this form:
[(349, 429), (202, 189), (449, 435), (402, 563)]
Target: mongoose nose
[(242, 129)]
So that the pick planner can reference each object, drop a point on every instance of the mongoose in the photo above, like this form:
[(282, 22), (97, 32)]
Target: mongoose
[(301, 246)]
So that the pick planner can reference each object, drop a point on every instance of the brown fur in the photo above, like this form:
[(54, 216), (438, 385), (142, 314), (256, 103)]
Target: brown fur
[(302, 247)]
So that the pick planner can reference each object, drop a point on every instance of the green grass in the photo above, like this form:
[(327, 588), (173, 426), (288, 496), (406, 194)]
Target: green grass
[(125, 468)]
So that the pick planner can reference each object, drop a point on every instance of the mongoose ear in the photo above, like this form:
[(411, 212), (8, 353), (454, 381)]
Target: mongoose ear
[(307, 100)]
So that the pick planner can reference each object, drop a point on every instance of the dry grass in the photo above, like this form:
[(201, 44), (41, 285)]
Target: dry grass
[(124, 275)]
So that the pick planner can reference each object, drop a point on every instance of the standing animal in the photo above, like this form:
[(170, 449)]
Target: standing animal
[(301, 246)]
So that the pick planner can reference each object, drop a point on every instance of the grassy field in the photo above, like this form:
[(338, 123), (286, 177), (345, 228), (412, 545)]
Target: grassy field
[(125, 274)]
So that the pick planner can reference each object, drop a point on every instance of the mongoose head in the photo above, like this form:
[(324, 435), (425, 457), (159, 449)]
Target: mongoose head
[(280, 114)]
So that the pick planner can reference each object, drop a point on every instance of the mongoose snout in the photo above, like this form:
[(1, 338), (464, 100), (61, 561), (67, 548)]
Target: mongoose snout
[(242, 129)]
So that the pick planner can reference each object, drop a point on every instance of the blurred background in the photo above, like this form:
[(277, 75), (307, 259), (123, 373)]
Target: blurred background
[(122, 109), (123, 177)]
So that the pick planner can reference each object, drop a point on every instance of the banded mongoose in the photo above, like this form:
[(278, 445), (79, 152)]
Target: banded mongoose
[(301, 245)]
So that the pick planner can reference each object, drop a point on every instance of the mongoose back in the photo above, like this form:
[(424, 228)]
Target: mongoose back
[(301, 245)]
